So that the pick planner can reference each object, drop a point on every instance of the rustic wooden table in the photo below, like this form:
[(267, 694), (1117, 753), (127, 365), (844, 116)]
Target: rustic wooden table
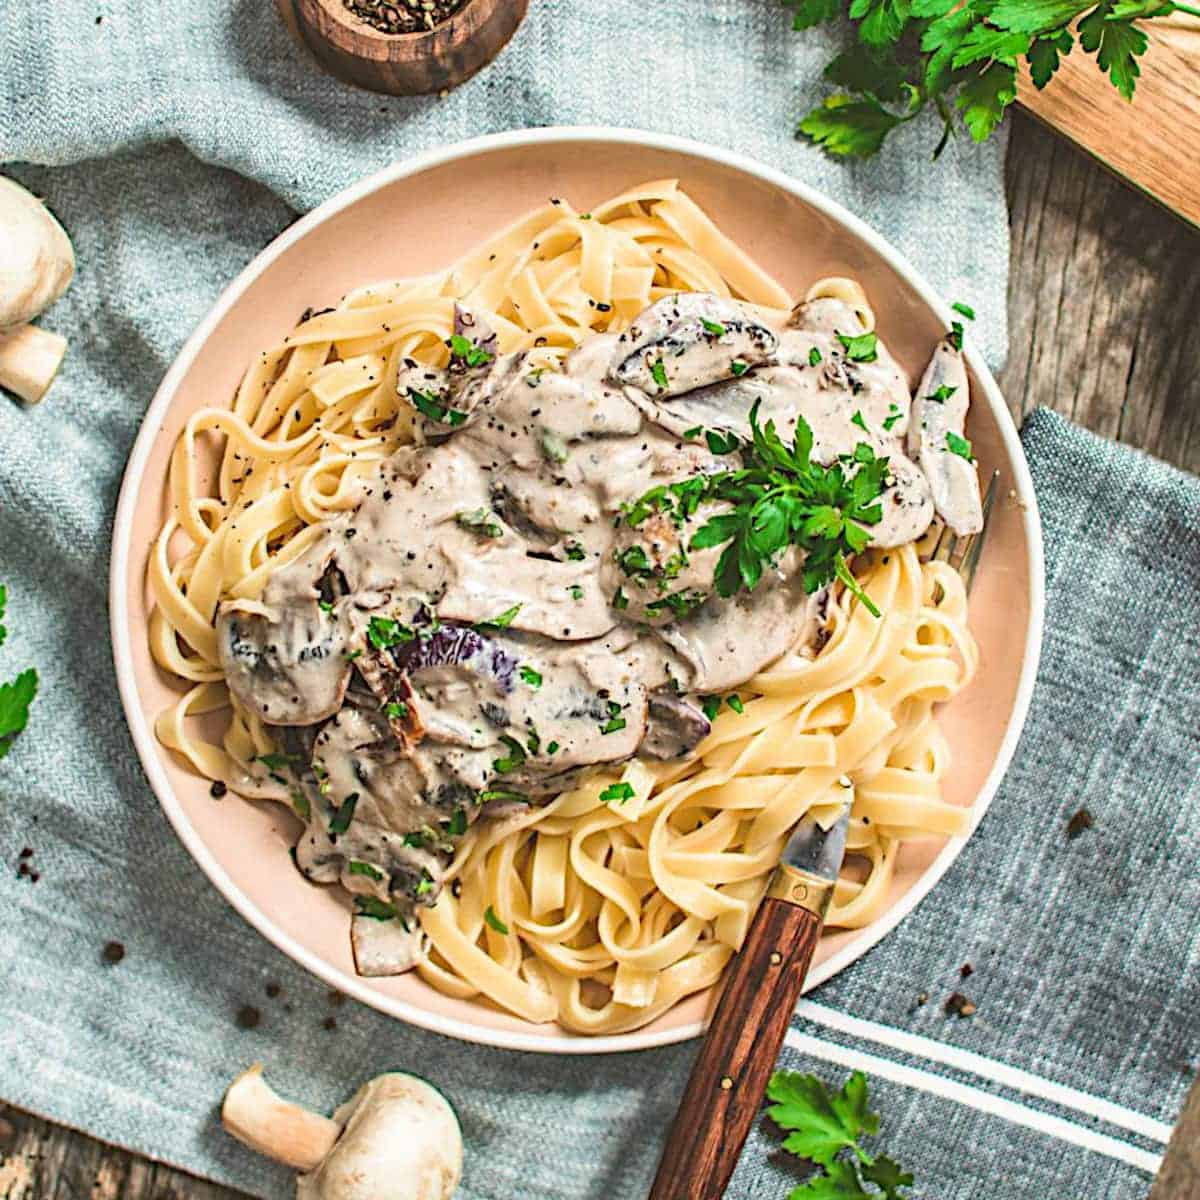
[(1103, 292)]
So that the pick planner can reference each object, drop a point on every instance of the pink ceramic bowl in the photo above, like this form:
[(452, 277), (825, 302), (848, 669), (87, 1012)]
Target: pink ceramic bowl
[(434, 208)]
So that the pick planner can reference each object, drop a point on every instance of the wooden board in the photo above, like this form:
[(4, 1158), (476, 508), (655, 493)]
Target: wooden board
[(1153, 142)]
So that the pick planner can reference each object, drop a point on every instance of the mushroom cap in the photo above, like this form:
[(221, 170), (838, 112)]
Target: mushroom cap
[(37, 261), (400, 1141)]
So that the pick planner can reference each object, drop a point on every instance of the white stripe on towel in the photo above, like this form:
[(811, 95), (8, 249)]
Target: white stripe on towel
[(987, 1068), (948, 1089)]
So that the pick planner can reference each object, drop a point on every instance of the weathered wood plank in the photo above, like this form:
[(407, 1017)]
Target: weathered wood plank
[(1102, 295), (1103, 290)]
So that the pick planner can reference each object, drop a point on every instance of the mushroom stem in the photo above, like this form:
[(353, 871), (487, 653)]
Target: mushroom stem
[(29, 360), (265, 1122)]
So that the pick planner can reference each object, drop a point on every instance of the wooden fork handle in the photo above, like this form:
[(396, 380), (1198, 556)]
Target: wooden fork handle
[(727, 1083)]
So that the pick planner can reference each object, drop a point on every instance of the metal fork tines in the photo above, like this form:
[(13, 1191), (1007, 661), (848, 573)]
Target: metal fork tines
[(963, 553)]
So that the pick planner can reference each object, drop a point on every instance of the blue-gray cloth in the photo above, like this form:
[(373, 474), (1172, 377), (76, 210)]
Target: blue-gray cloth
[(1084, 950)]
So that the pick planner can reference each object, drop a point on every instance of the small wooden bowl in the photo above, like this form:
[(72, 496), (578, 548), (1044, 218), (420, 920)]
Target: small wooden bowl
[(406, 64)]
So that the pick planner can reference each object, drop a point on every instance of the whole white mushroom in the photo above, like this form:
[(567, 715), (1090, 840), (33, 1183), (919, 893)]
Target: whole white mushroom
[(396, 1139), (37, 264)]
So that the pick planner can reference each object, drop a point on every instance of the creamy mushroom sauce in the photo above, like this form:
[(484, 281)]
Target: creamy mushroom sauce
[(467, 638)]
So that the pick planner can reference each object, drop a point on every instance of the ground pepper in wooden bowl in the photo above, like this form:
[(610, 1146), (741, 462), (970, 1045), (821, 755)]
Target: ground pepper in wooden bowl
[(404, 16), (404, 47)]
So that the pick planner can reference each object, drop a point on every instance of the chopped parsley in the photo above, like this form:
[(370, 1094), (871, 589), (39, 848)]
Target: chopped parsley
[(711, 706), (458, 823), (615, 721), (620, 601), (942, 394), (513, 760), (965, 309), (722, 443), (471, 354), (424, 887), (554, 449), (275, 762), (955, 336), (815, 357), (503, 621), (735, 702), (377, 910), (694, 432), (959, 445), (894, 415), (620, 792), (739, 367), (397, 710), (863, 347), (530, 676), (493, 921), (480, 522), (340, 821), (361, 868), (552, 748), (713, 327), (575, 552), (325, 606), (501, 794), (857, 419), (659, 374), (383, 633), (576, 591), (427, 406), (301, 806)]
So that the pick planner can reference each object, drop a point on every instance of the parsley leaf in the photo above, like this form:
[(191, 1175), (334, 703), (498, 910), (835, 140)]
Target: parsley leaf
[(342, 816), (378, 910), (503, 621), (808, 13), (362, 868), (511, 761), (383, 633), (713, 327), (848, 127), (530, 676), (480, 522), (814, 357), (15, 697), (711, 706), (465, 349), (821, 1125), (617, 791), (427, 406), (863, 348), (959, 445), (659, 373), (493, 921)]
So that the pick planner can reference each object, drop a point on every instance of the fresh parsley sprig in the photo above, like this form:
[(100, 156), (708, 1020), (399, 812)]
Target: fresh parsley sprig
[(15, 697), (822, 1124), (779, 498), (961, 58)]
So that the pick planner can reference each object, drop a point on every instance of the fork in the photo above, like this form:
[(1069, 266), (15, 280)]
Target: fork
[(763, 983), (963, 553)]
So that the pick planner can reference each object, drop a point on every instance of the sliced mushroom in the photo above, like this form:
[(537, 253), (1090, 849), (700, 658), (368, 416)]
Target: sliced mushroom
[(37, 264), (686, 341), (396, 1139), (936, 439), (675, 727)]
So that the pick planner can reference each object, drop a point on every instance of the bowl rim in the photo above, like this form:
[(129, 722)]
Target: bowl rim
[(141, 728)]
